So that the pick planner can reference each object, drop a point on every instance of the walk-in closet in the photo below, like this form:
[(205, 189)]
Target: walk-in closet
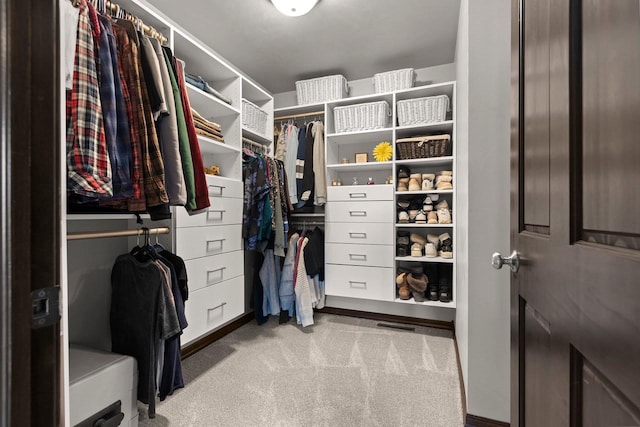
[(266, 212)]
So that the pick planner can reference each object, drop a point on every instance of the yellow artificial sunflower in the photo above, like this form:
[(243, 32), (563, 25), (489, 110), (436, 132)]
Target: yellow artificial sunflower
[(383, 152)]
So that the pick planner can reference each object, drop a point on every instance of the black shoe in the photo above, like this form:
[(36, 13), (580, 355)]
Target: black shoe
[(403, 172), (444, 285), (432, 291), (403, 250)]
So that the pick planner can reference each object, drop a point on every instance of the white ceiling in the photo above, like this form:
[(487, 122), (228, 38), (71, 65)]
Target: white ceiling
[(356, 38)]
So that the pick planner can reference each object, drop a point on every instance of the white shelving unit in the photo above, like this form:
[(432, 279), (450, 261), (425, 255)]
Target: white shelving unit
[(341, 146)]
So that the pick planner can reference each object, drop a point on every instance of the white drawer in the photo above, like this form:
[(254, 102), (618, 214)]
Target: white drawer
[(219, 186), (211, 307), (359, 192), (360, 282), (211, 270), (371, 255), (223, 211), (360, 212), (359, 233), (198, 242)]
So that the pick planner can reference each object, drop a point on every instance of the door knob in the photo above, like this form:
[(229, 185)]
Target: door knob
[(513, 261)]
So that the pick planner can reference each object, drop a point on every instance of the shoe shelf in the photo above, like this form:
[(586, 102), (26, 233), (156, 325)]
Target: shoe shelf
[(413, 225), (425, 259), (421, 192), (430, 128), (451, 304), (429, 161)]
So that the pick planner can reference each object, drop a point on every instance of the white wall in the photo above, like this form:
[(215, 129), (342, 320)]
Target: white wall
[(485, 325), (424, 76)]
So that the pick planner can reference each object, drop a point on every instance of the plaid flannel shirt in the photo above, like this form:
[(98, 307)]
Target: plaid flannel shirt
[(114, 113), (88, 164)]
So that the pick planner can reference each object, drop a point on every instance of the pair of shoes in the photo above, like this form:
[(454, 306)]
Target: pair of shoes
[(427, 181), (439, 246), (415, 182), (427, 203), (443, 214), (402, 244), (403, 286), (403, 184), (439, 282), (444, 180), (417, 246), (446, 246), (412, 282)]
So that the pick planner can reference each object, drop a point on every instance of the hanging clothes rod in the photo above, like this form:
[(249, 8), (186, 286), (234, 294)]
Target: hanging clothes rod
[(295, 116), (119, 12), (247, 141), (119, 233)]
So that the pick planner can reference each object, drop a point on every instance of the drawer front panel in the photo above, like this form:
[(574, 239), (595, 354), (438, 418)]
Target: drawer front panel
[(223, 211), (198, 242), (211, 307), (360, 212), (212, 270), (367, 255), (359, 192), (360, 282), (224, 187), (360, 233)]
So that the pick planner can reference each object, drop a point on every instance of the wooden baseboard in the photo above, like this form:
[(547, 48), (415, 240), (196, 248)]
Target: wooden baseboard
[(475, 421), (463, 393), (214, 336), (388, 318)]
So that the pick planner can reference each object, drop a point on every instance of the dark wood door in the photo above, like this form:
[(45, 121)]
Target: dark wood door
[(576, 212), (30, 362)]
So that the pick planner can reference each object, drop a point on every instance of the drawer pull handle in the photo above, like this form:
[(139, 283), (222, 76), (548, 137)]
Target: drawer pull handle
[(358, 195), (221, 270), (214, 241), (358, 235), (216, 210), (362, 257), (358, 213), (363, 284), (216, 307), (221, 187)]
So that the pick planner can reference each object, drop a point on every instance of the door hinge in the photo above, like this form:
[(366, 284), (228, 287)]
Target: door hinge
[(45, 303)]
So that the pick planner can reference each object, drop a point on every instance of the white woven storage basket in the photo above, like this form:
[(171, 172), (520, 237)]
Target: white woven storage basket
[(371, 115), (431, 109), (321, 89), (254, 117), (393, 80)]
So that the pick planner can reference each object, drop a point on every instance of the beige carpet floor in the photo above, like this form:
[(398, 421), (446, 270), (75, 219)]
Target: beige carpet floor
[(342, 371)]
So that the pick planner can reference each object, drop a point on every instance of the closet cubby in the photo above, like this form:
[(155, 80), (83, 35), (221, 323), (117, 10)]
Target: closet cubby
[(263, 100)]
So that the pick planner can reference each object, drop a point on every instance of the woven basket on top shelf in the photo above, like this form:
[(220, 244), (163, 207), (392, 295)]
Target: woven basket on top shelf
[(393, 80), (321, 89), (422, 147), (358, 117), (254, 117), (430, 109)]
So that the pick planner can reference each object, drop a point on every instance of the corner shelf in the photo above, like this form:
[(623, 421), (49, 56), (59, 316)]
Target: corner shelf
[(211, 146), (251, 134), (209, 106)]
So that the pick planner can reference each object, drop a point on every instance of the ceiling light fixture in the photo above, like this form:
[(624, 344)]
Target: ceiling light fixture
[(294, 7)]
